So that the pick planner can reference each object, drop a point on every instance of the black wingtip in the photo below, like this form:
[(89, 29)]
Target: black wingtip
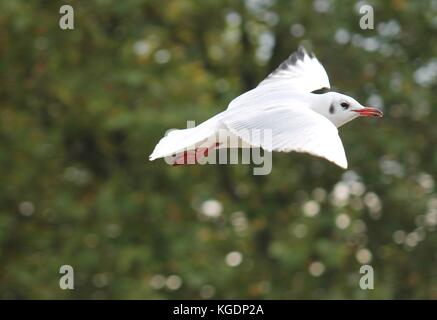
[(292, 60), (321, 90), (295, 56), (301, 52)]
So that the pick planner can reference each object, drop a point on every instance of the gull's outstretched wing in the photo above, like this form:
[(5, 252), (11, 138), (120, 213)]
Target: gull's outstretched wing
[(285, 128), (302, 71)]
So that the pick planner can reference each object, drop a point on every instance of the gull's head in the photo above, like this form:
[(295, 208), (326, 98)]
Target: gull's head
[(342, 109)]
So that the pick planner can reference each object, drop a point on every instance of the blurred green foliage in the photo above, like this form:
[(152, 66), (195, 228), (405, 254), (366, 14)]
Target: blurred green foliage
[(81, 110)]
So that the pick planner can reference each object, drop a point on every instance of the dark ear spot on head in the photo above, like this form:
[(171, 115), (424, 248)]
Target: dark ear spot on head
[(331, 109)]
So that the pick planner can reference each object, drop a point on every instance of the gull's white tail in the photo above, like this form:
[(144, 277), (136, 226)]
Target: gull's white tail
[(179, 141)]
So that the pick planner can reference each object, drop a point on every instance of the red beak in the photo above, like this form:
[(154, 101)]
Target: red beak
[(369, 112)]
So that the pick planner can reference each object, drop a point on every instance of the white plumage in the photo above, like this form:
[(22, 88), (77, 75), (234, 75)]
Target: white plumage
[(293, 104), (302, 71)]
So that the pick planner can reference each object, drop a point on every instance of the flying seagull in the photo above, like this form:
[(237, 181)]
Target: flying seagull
[(294, 102)]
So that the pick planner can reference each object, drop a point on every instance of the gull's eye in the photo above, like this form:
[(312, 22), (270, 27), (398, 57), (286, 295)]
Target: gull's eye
[(345, 105)]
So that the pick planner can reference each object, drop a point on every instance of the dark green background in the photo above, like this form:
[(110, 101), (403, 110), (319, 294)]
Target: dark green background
[(81, 110)]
